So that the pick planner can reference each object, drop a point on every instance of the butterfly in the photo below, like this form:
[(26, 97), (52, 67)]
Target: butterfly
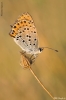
[(24, 34)]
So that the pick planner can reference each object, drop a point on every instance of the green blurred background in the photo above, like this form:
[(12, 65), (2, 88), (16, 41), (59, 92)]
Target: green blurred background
[(50, 67)]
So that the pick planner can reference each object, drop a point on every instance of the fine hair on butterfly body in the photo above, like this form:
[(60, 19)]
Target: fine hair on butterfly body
[(24, 34)]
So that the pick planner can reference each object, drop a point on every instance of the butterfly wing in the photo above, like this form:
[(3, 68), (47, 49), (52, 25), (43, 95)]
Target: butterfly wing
[(25, 33)]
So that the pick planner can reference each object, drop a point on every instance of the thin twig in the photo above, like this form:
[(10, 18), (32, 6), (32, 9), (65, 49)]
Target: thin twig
[(26, 62), (41, 83)]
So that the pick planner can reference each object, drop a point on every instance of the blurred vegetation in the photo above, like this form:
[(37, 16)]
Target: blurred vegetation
[(50, 67)]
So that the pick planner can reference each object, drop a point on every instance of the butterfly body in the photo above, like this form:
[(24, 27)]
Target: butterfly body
[(24, 34)]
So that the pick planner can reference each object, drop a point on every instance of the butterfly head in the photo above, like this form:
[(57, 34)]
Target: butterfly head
[(41, 49)]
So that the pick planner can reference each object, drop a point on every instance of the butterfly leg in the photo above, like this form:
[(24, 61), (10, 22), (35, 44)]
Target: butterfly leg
[(31, 56)]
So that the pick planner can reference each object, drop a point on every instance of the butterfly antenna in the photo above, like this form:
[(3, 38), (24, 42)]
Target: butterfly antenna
[(51, 49)]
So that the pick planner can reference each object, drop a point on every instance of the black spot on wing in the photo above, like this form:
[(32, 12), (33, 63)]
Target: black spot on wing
[(24, 28), (21, 22), (17, 23), (35, 39), (27, 28), (23, 40), (34, 31), (14, 26), (24, 21), (26, 35), (29, 39), (12, 33), (20, 32), (23, 31), (13, 30), (20, 36), (29, 36), (28, 22)]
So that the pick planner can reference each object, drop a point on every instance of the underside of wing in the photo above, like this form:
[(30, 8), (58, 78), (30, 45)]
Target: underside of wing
[(25, 33)]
